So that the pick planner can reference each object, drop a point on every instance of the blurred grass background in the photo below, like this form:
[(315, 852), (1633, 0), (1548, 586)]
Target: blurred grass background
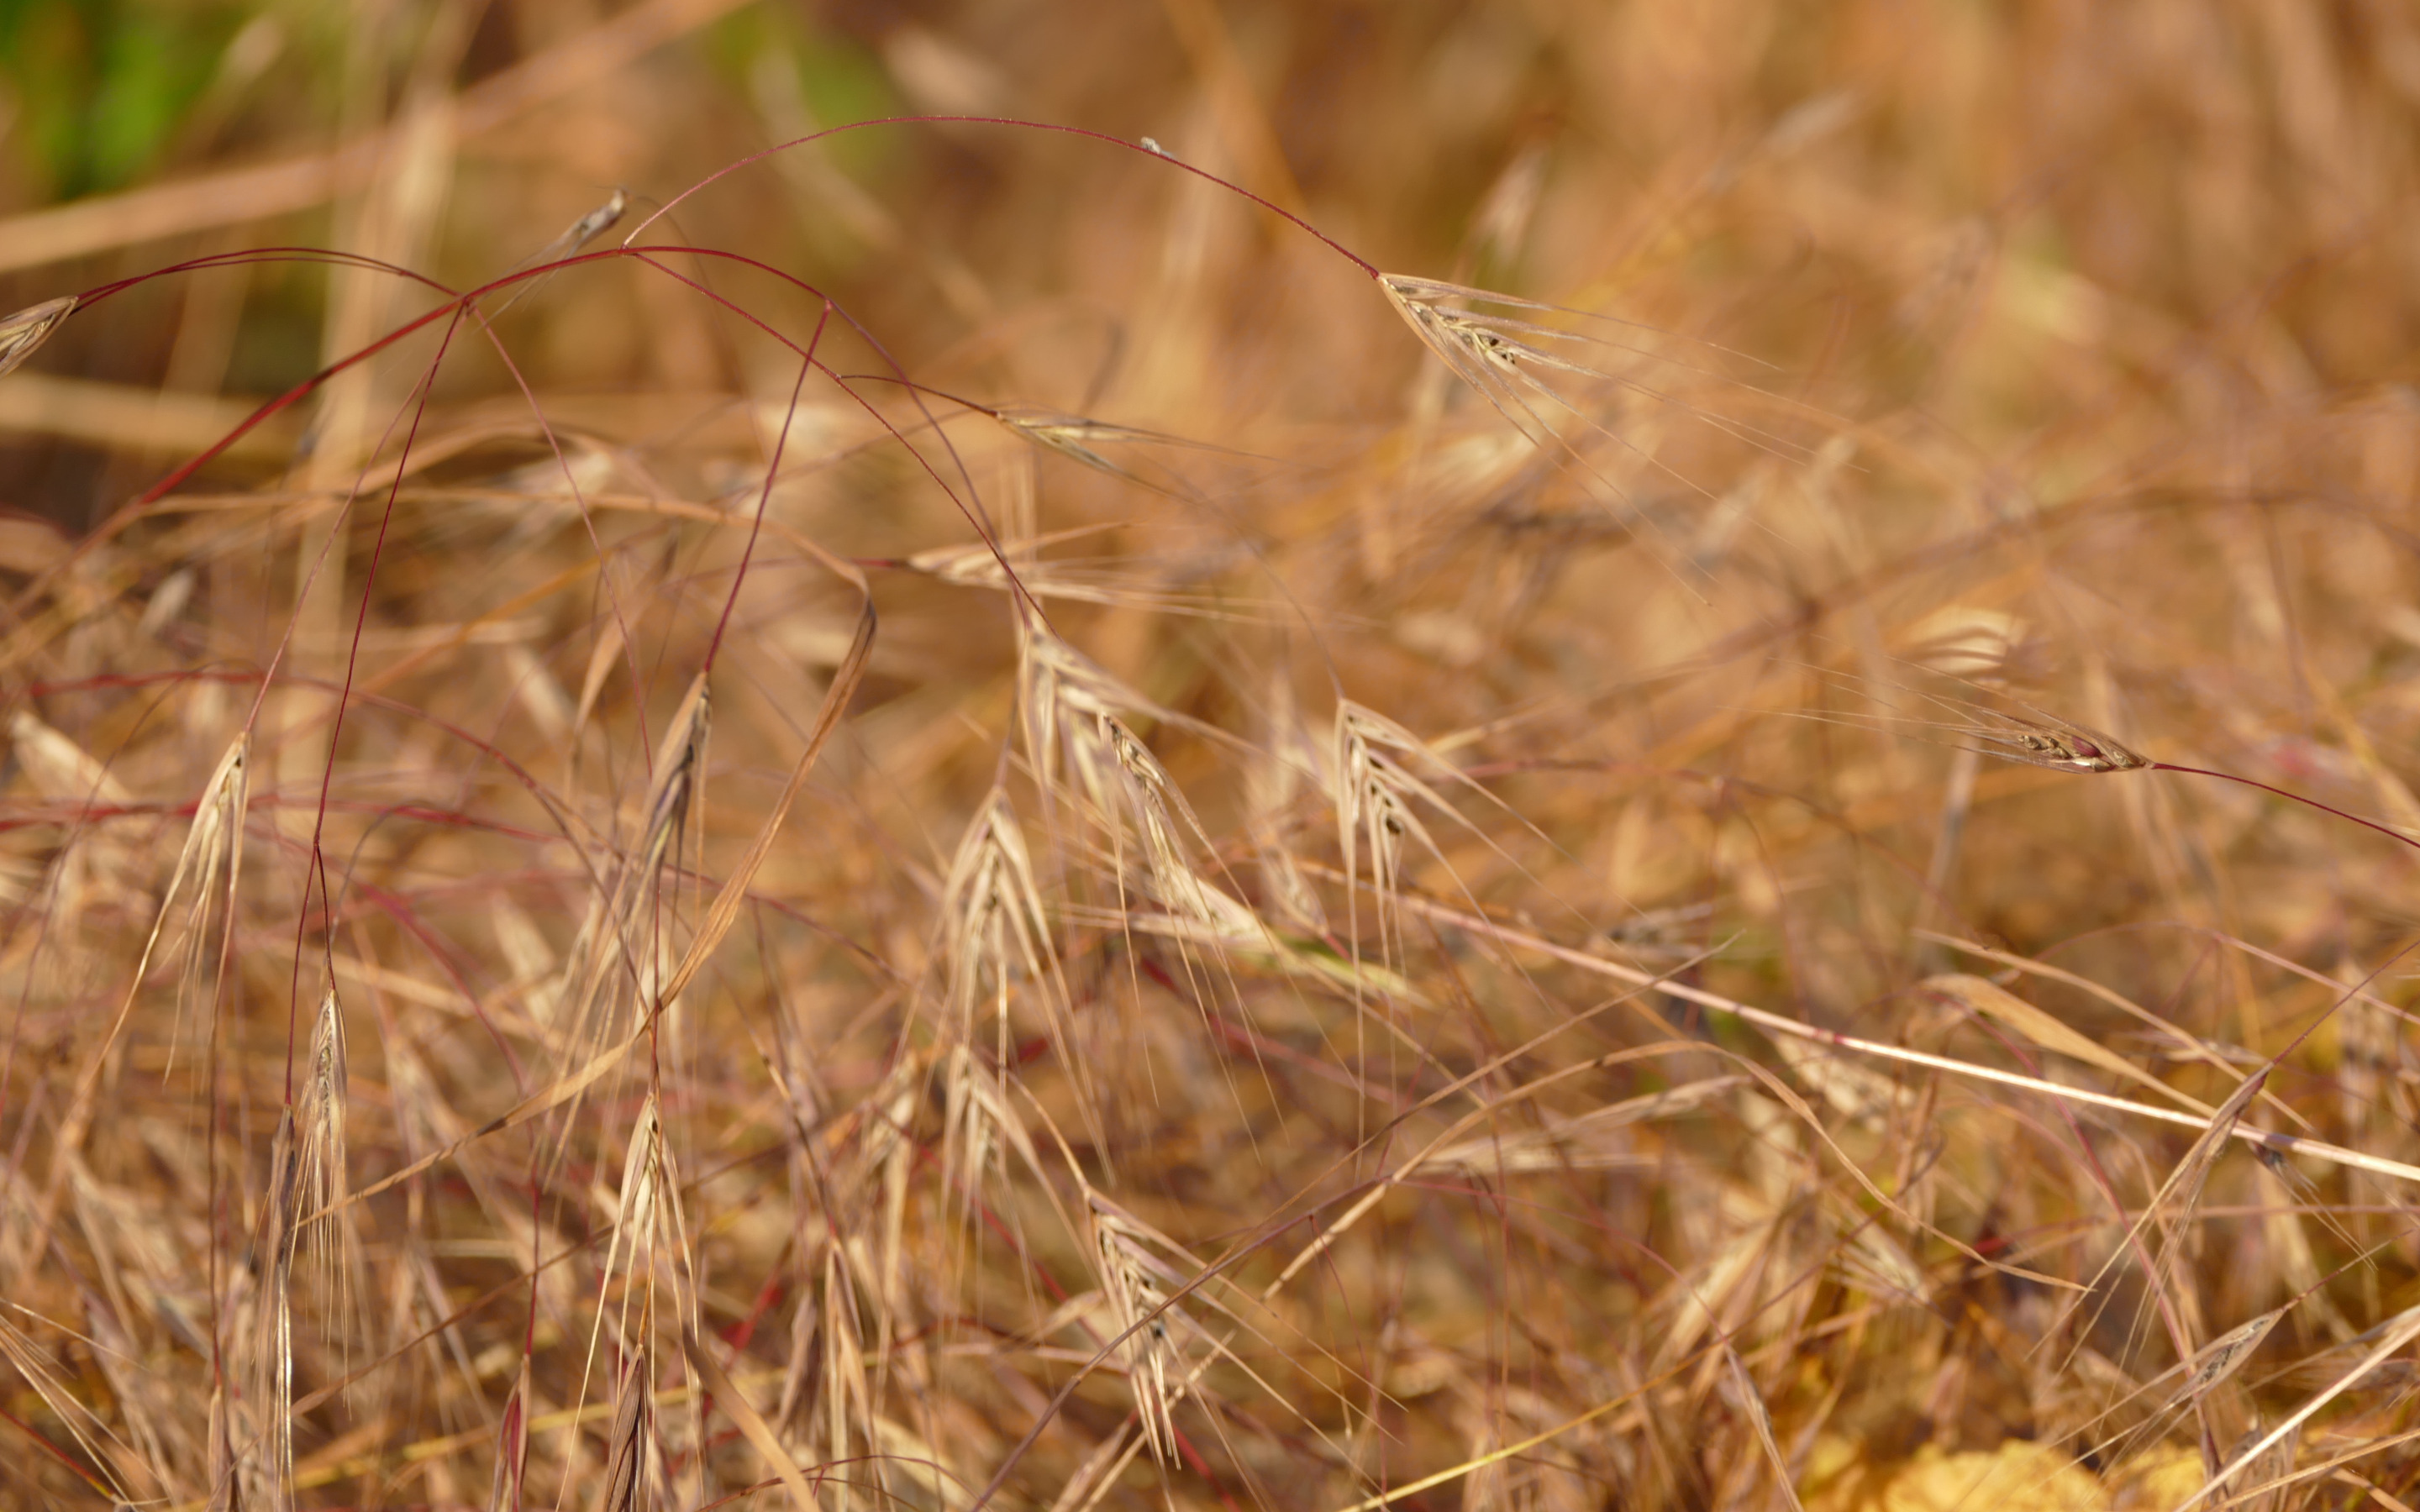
[(2063, 347)]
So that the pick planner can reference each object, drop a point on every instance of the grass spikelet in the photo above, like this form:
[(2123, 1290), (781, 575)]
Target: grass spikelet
[(1374, 795), (576, 236), (627, 1483), (643, 1184), (1502, 354), (1074, 730), (328, 1233), (1137, 1286), (269, 1456), (1068, 703), (319, 1150), (836, 1373), (649, 1228), (646, 1248), (1079, 440), (2004, 727), (999, 936), (614, 963), (1168, 831), (23, 333), (2223, 1356), (1503, 347), (2219, 1362), (2397, 1334), (970, 1130), (679, 769), (306, 1219), (1112, 584), (979, 1129)]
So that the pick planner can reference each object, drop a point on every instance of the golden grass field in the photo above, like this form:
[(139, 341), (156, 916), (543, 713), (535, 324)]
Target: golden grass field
[(1501, 755)]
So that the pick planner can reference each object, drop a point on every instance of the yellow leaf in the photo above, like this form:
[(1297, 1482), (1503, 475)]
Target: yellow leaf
[(1992, 1000), (2018, 1477)]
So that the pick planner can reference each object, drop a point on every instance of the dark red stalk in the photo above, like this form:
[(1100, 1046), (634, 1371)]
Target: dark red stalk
[(2396, 835)]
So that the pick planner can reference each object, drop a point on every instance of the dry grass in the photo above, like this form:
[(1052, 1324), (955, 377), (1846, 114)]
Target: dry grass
[(959, 819)]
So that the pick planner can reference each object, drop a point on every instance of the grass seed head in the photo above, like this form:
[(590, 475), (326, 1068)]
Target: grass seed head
[(321, 1148), (627, 1482), (998, 931), (1133, 1281), (647, 1222), (23, 333), (269, 1455)]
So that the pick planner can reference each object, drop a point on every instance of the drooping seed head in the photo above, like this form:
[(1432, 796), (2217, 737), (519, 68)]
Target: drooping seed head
[(2072, 747), (23, 333)]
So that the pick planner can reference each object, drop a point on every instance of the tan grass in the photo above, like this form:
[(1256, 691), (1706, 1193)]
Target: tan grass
[(960, 819)]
